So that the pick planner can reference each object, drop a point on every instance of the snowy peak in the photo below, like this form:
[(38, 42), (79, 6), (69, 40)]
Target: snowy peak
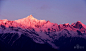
[(79, 22), (4, 20), (40, 31), (79, 25), (27, 19), (30, 21), (31, 17)]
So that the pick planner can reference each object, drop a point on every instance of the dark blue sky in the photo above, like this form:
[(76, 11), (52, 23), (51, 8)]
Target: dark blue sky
[(56, 11)]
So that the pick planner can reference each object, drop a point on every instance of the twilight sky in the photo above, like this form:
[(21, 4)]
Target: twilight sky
[(56, 11)]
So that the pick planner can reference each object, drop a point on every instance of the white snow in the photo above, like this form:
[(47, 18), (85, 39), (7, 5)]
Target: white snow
[(30, 21)]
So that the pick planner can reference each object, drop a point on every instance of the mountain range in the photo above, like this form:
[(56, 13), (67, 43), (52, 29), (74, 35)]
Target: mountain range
[(30, 34)]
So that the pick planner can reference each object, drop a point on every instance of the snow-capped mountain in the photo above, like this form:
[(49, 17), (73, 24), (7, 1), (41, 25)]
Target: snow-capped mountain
[(49, 34), (30, 21)]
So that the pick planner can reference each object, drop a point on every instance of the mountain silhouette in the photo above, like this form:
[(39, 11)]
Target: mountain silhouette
[(30, 34)]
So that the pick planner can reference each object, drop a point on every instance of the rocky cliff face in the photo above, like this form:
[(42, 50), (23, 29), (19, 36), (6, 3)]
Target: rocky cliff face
[(32, 34)]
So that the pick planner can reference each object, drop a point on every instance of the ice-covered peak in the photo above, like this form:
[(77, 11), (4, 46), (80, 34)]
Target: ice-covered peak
[(79, 22), (5, 20), (27, 19), (48, 24), (30, 17), (79, 25), (30, 21), (67, 23)]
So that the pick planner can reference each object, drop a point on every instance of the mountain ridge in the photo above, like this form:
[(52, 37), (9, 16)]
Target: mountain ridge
[(41, 31), (29, 20)]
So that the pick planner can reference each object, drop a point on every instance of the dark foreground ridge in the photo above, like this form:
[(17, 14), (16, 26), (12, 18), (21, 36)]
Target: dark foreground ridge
[(25, 44), (71, 43)]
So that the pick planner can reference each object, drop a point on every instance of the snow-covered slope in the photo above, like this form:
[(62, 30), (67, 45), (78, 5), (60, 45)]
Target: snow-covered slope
[(40, 31), (30, 21)]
